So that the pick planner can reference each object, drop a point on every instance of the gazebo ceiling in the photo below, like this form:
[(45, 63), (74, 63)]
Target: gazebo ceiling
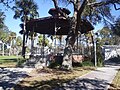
[(47, 25)]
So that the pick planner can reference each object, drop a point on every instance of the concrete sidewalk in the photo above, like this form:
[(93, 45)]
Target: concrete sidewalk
[(99, 79)]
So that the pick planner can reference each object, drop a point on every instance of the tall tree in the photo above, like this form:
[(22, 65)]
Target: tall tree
[(2, 17), (91, 9), (42, 41), (25, 10), (116, 27), (18, 44), (116, 31), (19, 41), (12, 37), (107, 36)]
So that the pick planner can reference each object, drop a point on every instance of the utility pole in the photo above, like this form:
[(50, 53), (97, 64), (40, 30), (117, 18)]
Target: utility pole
[(95, 51)]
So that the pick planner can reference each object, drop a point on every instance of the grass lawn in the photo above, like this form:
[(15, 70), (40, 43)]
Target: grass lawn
[(9, 61), (116, 82), (47, 79)]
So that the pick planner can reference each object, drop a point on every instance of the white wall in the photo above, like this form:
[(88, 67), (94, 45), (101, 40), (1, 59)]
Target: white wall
[(111, 51)]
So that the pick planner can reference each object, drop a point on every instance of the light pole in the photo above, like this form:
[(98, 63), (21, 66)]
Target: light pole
[(95, 52)]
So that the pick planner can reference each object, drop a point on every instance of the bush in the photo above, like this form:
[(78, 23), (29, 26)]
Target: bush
[(54, 65), (87, 63), (77, 64), (100, 60), (20, 62)]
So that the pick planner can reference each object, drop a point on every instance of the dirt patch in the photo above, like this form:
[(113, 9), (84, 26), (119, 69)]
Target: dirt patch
[(51, 77)]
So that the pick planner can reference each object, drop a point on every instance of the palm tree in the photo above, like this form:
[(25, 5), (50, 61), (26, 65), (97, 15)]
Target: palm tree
[(12, 37), (2, 17), (18, 44), (25, 10)]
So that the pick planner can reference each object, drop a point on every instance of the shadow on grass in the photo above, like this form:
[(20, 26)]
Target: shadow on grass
[(8, 78), (67, 84)]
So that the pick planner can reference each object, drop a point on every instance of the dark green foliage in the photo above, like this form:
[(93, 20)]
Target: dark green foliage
[(20, 62), (77, 64), (116, 27), (2, 17), (54, 65), (25, 9), (19, 41), (42, 40), (100, 59), (87, 63)]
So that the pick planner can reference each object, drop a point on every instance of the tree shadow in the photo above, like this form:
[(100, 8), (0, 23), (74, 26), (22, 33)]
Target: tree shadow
[(68, 84), (9, 78), (115, 61), (84, 84)]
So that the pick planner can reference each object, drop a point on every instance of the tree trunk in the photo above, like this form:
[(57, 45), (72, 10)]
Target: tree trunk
[(75, 22), (23, 47), (92, 51), (70, 40)]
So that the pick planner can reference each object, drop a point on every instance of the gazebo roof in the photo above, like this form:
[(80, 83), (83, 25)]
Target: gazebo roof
[(47, 25)]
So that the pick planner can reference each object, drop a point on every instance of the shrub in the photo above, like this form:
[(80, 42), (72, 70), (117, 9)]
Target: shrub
[(100, 59), (20, 62), (87, 63), (53, 65)]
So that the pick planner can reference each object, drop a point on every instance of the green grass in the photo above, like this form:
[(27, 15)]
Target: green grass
[(9, 61), (9, 57), (116, 82)]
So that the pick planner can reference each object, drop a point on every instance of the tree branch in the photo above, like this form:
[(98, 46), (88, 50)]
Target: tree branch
[(96, 4), (116, 7), (59, 9), (82, 8), (71, 1), (55, 3)]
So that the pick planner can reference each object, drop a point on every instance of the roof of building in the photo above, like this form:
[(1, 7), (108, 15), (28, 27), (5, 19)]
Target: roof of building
[(47, 25)]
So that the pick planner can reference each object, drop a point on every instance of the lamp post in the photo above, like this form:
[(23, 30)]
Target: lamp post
[(95, 50)]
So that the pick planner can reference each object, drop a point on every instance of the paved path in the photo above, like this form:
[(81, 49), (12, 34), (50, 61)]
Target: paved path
[(95, 80), (9, 77), (99, 79)]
